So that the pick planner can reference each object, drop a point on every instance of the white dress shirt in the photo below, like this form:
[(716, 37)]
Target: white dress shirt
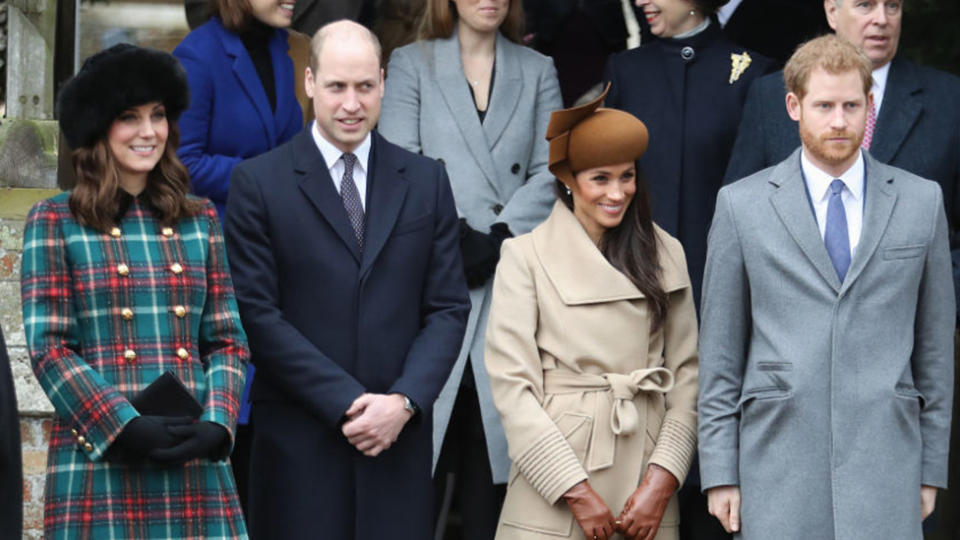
[(818, 187), (333, 157), (879, 85)]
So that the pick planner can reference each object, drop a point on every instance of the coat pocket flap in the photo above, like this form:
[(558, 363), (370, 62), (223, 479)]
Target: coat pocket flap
[(903, 252)]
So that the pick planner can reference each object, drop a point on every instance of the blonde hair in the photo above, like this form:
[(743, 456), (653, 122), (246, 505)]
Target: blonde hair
[(831, 54)]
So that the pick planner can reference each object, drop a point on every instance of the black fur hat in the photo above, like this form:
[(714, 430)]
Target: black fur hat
[(112, 81)]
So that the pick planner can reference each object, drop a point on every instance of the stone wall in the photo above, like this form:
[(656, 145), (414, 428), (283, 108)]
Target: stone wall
[(35, 409)]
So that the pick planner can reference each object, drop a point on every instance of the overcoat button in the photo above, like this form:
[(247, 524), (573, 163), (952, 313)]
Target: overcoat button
[(129, 355), (81, 439), (115, 232), (88, 447), (180, 311), (515, 169), (123, 269), (687, 53), (182, 353), (126, 313), (176, 268), (497, 208), (74, 432), (166, 231)]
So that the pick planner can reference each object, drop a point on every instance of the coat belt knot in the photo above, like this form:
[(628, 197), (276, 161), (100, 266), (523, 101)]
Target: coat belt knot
[(616, 400)]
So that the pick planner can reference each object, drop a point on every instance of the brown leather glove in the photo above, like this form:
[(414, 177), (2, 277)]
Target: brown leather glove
[(643, 511), (591, 512)]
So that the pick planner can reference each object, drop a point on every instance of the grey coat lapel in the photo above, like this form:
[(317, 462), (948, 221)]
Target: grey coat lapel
[(880, 197), (900, 110), (453, 86), (507, 86), (792, 204)]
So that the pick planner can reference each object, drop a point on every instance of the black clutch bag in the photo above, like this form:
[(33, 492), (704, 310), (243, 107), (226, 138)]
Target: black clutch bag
[(167, 396)]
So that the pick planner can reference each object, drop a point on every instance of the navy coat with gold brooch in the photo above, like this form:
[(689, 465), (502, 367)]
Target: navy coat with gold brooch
[(105, 315), (690, 97)]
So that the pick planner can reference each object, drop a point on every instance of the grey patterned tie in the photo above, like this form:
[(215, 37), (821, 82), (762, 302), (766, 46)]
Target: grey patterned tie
[(351, 197)]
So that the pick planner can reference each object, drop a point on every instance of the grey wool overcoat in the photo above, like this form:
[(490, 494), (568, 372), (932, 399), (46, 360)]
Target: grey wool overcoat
[(497, 169), (828, 403)]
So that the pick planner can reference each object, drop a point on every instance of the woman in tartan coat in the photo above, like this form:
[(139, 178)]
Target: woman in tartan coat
[(126, 278)]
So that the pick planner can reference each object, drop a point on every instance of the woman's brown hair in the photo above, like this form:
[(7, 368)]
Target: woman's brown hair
[(235, 14), (440, 16), (631, 247), (94, 201)]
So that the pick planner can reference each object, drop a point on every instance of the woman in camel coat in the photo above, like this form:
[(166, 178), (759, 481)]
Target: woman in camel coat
[(591, 348)]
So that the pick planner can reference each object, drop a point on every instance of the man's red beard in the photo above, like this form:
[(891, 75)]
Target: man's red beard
[(827, 151)]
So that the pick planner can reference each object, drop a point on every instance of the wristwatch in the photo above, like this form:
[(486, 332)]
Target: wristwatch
[(409, 405)]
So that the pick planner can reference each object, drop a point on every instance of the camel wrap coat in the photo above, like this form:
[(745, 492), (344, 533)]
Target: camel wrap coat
[(584, 388)]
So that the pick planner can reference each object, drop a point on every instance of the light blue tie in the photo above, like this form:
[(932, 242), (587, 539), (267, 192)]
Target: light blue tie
[(836, 237)]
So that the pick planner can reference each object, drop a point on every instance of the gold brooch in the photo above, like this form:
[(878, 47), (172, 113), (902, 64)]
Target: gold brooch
[(738, 64)]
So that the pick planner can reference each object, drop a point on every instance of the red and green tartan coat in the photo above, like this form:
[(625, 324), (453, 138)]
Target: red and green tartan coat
[(105, 315)]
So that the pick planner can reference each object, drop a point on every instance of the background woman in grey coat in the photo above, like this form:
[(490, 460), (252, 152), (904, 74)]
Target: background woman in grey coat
[(471, 97)]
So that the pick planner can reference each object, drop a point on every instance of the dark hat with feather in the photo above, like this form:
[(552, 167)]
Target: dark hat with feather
[(590, 136), (113, 80)]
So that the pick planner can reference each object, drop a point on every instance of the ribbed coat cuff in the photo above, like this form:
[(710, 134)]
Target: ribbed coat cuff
[(550, 466), (675, 447)]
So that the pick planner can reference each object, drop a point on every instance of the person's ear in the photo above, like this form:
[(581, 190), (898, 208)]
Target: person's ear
[(793, 105), (308, 82), (830, 7)]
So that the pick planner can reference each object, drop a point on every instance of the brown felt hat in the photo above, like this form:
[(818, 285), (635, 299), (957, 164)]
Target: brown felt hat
[(590, 136)]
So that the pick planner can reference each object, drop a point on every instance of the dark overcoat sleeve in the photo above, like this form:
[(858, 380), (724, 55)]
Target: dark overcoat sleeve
[(11, 476), (444, 307)]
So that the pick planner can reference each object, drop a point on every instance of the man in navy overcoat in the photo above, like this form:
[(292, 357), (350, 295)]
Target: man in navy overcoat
[(345, 257)]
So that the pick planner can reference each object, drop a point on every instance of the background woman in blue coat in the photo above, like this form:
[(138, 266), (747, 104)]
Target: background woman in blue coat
[(243, 103), (688, 86)]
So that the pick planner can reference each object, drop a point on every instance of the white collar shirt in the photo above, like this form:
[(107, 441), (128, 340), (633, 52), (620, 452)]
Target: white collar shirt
[(879, 85), (333, 157), (818, 187)]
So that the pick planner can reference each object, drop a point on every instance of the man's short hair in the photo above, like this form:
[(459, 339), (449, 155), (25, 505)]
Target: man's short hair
[(831, 54), (316, 45)]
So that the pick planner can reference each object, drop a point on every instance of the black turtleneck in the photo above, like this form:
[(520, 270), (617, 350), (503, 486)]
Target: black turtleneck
[(256, 39)]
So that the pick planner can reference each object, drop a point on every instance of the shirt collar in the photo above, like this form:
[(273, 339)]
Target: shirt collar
[(331, 153), (880, 81), (818, 181)]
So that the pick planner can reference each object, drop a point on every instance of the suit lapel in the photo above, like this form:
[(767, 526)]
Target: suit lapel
[(453, 86), (792, 204), (880, 197), (316, 184), (248, 79), (507, 87), (899, 112), (386, 191)]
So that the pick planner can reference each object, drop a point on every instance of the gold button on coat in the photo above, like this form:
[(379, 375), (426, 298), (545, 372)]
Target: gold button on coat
[(166, 231), (88, 447), (123, 269), (129, 355), (180, 311), (74, 432), (176, 268), (81, 439), (126, 313), (115, 232), (182, 353)]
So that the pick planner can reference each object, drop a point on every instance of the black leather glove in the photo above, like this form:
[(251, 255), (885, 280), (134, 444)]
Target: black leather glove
[(143, 435), (481, 251), (201, 440)]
